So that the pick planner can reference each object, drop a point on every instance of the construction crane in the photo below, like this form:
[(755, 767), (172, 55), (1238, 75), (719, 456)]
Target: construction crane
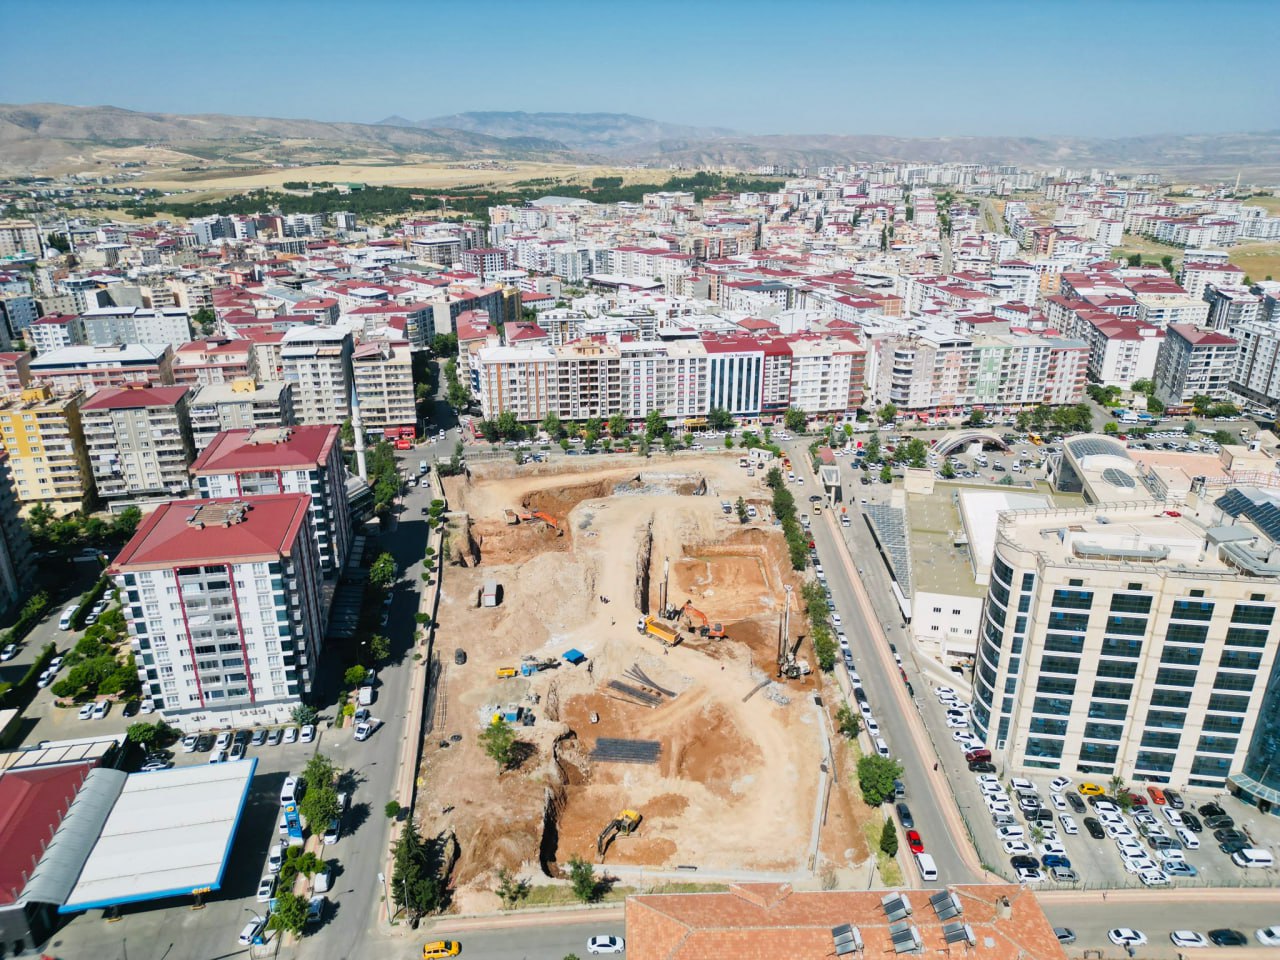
[(708, 629), (624, 824), (788, 665)]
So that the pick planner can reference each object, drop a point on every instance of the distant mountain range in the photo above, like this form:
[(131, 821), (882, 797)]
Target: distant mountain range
[(42, 135), (591, 132)]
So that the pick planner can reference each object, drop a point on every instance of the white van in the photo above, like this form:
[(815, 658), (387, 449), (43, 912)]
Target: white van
[(366, 696), (1189, 839), (1254, 857), (882, 748), (64, 623), (928, 869)]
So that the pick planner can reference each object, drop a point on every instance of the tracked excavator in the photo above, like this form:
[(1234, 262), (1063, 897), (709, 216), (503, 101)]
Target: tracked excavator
[(707, 628), (624, 824)]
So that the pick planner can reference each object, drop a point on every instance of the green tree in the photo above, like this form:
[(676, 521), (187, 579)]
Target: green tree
[(499, 743), (354, 676), (1142, 385), (1189, 428), (654, 424), (872, 448), (289, 915), (976, 418), (142, 733), (1110, 427), (668, 444), (875, 776), (392, 809), (916, 453), (742, 510), (795, 420), (58, 241), (948, 471), (510, 890), (889, 839), (728, 443), (413, 887), (886, 413), (444, 344), (719, 419), (1201, 403), (204, 321), (617, 426), (583, 878), (319, 805), (848, 722), (304, 714), (319, 771), (1135, 259), (382, 572), (886, 474), (1167, 262), (552, 425), (379, 647)]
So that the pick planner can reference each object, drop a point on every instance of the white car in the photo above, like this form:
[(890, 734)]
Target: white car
[(1268, 936), (266, 887), (1051, 847), (290, 734), (957, 723), (1189, 938), (218, 756), (1188, 839), (9, 652), (1069, 826), (1017, 847), (1130, 844), (873, 728), (1058, 800), (942, 692), (289, 791), (606, 944), (1171, 855), (1153, 878), (1140, 865), (251, 930), (1011, 833), (85, 711), (189, 743), (1172, 815), (835, 617), (1026, 786), (968, 741), (308, 733), (987, 780), (1058, 784), (275, 858), (1127, 937), (100, 709), (1028, 875), (224, 740), (363, 729)]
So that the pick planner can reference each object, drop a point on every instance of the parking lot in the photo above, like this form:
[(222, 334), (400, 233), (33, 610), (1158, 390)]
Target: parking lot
[(1097, 862)]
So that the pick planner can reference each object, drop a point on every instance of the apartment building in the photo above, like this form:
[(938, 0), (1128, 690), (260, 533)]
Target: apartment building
[(239, 405), (382, 373), (108, 325), (1194, 361), (1231, 306), (317, 361), (1134, 641), (17, 567), (43, 435), (1121, 350), (15, 372), (20, 238), (86, 368), (138, 440), (1196, 275), (214, 360), (303, 459), (485, 262), (939, 370), (223, 599), (55, 331)]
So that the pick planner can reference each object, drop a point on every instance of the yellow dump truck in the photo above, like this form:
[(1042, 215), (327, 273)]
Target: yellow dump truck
[(651, 626)]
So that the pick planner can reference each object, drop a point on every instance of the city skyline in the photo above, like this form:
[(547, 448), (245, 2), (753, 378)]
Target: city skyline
[(882, 72)]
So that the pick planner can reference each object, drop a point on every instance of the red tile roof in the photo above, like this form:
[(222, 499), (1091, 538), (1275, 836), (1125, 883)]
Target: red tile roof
[(165, 539), (32, 804), (764, 921), (134, 398), (1201, 338), (235, 451)]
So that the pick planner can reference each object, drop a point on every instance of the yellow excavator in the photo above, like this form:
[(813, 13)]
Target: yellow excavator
[(624, 824)]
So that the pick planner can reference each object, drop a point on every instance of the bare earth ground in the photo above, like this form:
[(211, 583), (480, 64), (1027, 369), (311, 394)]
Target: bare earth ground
[(737, 779)]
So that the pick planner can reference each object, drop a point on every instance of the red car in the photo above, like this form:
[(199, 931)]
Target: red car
[(914, 841), (1137, 800), (1157, 795)]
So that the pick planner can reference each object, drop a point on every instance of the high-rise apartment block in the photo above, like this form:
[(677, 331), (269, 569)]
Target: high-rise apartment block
[(223, 600), (303, 459), (43, 436), (139, 441), (317, 361), (239, 405)]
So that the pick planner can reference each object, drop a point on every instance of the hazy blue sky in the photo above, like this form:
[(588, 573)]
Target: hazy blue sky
[(902, 67)]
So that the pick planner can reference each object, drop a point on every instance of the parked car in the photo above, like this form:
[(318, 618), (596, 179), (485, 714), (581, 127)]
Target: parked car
[(606, 944)]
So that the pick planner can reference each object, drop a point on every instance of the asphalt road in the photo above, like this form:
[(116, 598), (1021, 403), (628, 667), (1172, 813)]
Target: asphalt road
[(532, 941), (1157, 917)]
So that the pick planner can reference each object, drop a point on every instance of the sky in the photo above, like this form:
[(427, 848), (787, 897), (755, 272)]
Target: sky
[(890, 67)]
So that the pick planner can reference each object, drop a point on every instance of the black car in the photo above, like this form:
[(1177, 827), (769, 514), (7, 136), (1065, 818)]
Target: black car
[(1041, 816), (1226, 937), (204, 742), (1233, 846), (1191, 821), (1024, 863), (1226, 836), (459, 656), (242, 737), (982, 766), (1211, 810), (904, 816), (1223, 822), (1101, 798), (1094, 827), (1174, 799), (1076, 803), (131, 708)]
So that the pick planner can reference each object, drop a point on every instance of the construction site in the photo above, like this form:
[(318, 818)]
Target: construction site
[(649, 651)]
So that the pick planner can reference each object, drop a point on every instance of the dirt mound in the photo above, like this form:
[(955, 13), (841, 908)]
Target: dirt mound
[(499, 542), (560, 501), (699, 751)]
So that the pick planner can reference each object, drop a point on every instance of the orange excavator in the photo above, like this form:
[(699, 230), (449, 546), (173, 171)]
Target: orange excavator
[(539, 515), (708, 629)]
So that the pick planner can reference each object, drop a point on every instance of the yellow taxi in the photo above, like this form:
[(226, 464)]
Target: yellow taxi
[(439, 949), (1091, 790)]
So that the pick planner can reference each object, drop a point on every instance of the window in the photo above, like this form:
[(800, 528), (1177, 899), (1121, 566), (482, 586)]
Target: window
[(1120, 647), (1234, 681), (1064, 643), (1103, 731), (1161, 740), (1186, 633), (1060, 685), (1158, 762), (1251, 613), (1039, 747), (1117, 669), (1240, 659), (1184, 655), (1068, 622), (1057, 728), (1246, 637), (1108, 711), (1107, 690), (1127, 626), (1002, 570), (1228, 703), (1193, 609), (1127, 603), (1098, 753), (1068, 665), (1168, 677), (1211, 766), (1073, 599), (1166, 719), (1216, 724), (1054, 706), (1179, 699)]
